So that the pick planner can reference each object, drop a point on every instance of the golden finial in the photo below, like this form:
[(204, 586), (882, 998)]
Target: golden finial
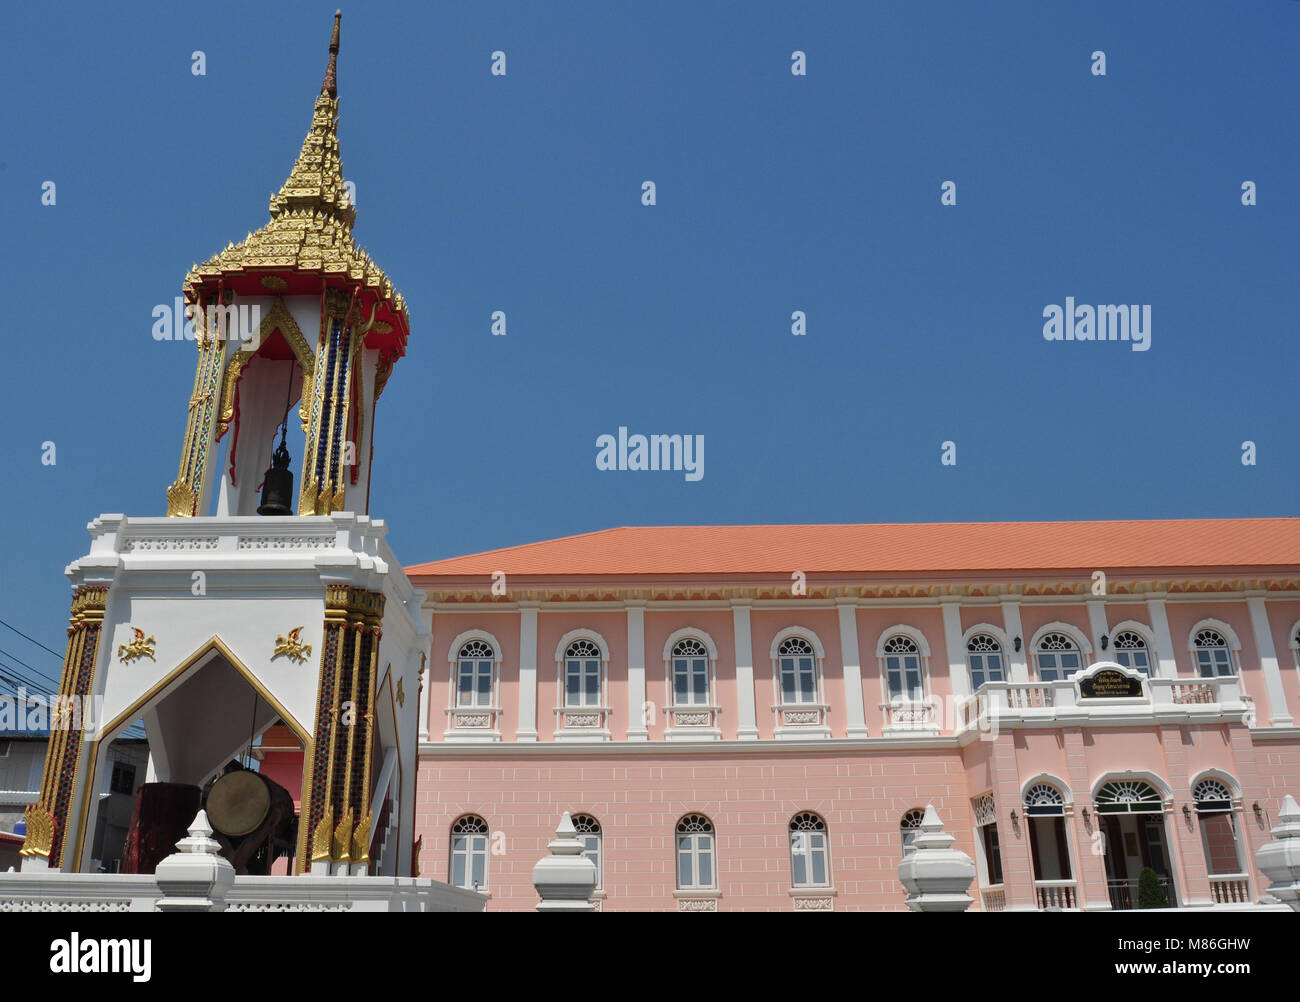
[(331, 84)]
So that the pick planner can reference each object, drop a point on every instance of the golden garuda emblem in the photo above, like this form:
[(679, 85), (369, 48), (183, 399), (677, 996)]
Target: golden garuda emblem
[(291, 647), (139, 647)]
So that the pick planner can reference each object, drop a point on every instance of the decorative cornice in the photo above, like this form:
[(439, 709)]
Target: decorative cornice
[(1080, 589)]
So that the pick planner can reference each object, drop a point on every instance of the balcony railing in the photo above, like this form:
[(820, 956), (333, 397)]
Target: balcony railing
[(1230, 889), (1055, 895), (795, 719), (912, 715), (692, 721), (994, 899), (581, 723), (997, 704), (472, 720), (1124, 893)]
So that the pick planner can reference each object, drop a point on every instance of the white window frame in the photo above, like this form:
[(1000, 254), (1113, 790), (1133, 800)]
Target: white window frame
[(909, 826), (1083, 648), (1148, 638), (599, 852), (802, 842), (799, 719), (472, 723), (582, 722), (469, 851), (1232, 648), (922, 664), (1064, 791), (1005, 668), (903, 712), (691, 721), (695, 852)]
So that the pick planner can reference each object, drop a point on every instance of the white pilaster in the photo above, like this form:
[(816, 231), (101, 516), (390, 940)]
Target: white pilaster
[(1016, 659), (1164, 639), (1277, 709), (527, 729), (854, 714), (1098, 625), (159, 769), (958, 672), (636, 715), (748, 727)]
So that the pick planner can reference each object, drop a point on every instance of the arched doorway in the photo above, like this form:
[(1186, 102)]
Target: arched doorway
[(1132, 819)]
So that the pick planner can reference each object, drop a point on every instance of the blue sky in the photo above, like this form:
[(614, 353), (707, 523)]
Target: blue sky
[(775, 193)]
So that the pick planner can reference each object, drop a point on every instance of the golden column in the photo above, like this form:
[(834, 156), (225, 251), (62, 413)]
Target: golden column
[(47, 819), (186, 491), (332, 425), (336, 785)]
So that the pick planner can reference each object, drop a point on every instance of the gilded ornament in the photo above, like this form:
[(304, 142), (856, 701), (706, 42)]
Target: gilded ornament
[(40, 832), (320, 839), (361, 841), (292, 647), (139, 647), (342, 836)]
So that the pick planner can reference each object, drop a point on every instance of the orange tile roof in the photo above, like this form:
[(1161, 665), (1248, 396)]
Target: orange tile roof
[(938, 547)]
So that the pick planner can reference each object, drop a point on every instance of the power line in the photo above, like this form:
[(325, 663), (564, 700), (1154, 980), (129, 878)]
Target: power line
[(33, 688), (20, 633), (35, 671)]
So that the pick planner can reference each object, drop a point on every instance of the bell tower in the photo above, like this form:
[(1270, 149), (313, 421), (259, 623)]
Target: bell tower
[(250, 604), (293, 313)]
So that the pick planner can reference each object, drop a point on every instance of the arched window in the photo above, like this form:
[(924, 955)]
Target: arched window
[(469, 852), (589, 835), (1218, 829), (1213, 655), (1131, 651), (1049, 841), (582, 674), (1044, 799), (903, 676), (695, 844), (910, 827), (474, 667), (1058, 657), (1130, 816), (797, 663), (984, 659), (1129, 796), (809, 866), (690, 661)]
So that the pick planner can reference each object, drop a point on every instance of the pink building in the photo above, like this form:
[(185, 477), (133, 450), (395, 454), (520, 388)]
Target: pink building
[(754, 718)]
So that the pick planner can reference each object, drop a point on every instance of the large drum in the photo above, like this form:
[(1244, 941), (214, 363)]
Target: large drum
[(252, 818), (238, 803)]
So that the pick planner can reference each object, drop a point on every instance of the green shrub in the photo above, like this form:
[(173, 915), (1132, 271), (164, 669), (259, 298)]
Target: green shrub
[(1150, 893)]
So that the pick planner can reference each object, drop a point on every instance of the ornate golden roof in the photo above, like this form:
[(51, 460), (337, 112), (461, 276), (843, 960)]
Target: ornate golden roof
[(310, 231)]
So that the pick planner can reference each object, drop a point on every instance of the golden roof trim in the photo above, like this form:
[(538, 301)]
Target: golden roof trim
[(310, 230)]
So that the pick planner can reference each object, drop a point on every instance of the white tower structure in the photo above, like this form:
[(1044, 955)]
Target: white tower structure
[(214, 622)]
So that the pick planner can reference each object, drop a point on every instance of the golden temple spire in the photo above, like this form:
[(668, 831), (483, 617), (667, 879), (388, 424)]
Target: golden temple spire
[(310, 230), (331, 84)]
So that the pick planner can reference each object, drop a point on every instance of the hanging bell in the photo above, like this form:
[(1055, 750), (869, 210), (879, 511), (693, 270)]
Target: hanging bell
[(277, 486)]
